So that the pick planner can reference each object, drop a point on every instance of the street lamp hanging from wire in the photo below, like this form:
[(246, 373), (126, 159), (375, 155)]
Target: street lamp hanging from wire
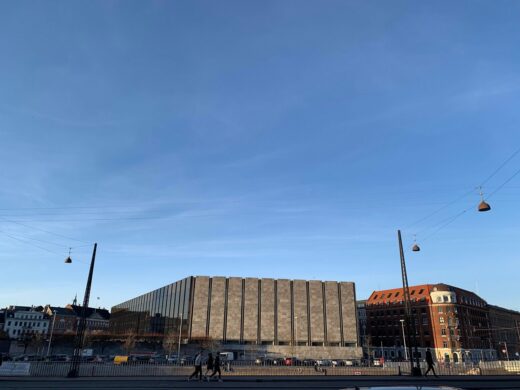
[(68, 260), (415, 247), (483, 205)]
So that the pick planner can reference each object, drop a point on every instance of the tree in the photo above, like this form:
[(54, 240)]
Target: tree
[(102, 341), (37, 342), (208, 343), (129, 343), (170, 342), (87, 338)]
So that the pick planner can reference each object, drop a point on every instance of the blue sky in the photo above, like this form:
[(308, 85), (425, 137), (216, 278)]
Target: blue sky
[(286, 139)]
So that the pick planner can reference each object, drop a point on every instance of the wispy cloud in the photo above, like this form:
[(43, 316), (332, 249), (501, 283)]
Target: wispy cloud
[(58, 119), (479, 94)]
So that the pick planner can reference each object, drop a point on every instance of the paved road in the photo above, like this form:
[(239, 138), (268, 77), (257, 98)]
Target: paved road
[(141, 383)]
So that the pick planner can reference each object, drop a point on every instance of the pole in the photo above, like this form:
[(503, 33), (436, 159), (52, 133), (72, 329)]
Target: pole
[(382, 354), (80, 333), (507, 352), (404, 341), (179, 346), (410, 323), (518, 337), (368, 353), (296, 330), (52, 331)]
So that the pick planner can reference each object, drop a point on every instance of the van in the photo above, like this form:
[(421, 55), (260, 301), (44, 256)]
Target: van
[(227, 356), (120, 359)]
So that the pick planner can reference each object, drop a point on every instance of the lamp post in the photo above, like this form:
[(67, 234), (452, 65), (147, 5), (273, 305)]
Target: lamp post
[(410, 322), (404, 340), (296, 330), (179, 346), (80, 332), (505, 350), (52, 331)]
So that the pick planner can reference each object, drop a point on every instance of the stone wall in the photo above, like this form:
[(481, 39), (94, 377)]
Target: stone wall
[(199, 317), (234, 309), (275, 312)]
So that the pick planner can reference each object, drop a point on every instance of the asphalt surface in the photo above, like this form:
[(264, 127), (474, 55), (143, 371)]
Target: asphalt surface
[(141, 383)]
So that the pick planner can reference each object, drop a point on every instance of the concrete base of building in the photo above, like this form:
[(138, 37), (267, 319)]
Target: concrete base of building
[(253, 351), (315, 352)]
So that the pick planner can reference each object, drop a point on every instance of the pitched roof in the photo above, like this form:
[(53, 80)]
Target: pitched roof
[(62, 311), (104, 313)]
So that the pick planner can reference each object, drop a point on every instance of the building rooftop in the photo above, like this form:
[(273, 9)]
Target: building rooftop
[(104, 313)]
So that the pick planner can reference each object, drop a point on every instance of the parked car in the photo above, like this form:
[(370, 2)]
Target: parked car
[(289, 361), (308, 362), (275, 361), (324, 362), (267, 361), (29, 358), (227, 356), (140, 359), (120, 360), (172, 359), (58, 358), (187, 360), (158, 360)]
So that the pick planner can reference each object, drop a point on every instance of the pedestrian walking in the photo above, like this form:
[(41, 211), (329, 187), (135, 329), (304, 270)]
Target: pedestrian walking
[(318, 368), (209, 366), (216, 367), (430, 363), (198, 367)]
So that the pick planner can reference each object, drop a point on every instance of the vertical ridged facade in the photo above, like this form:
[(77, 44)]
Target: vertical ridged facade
[(246, 311)]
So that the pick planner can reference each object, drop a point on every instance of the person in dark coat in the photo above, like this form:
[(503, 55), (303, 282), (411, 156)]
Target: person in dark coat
[(216, 367), (209, 365), (430, 363)]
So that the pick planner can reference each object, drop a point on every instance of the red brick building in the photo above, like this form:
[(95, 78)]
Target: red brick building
[(449, 320), (505, 332)]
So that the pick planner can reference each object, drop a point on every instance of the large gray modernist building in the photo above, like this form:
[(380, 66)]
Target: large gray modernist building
[(278, 316)]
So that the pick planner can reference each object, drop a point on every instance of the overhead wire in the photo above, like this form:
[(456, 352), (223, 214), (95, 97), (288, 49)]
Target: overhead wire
[(441, 225), (450, 220), (43, 230), (89, 219), (441, 208), (444, 223), (28, 242), (499, 168), (503, 184), (39, 240)]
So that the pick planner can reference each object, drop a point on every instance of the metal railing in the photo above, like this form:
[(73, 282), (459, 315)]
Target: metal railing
[(109, 369)]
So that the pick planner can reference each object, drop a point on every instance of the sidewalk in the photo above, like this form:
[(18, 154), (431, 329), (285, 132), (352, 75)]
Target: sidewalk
[(292, 378)]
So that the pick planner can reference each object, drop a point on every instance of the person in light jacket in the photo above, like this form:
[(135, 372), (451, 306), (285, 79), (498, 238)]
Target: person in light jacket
[(198, 367)]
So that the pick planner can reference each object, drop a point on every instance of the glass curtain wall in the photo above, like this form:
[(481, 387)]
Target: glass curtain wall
[(156, 313)]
